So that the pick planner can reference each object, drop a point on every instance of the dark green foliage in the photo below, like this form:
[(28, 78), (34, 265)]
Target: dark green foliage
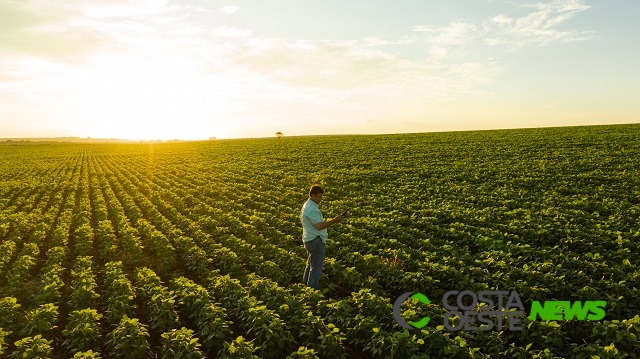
[(10, 314), (35, 347), (83, 284), (210, 319), (180, 344), (89, 354), (40, 320), (303, 353), (83, 330), (206, 236), (3, 345), (129, 340), (238, 349), (119, 293), (159, 301)]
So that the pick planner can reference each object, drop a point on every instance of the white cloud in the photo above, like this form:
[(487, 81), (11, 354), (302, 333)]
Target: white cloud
[(230, 9), (226, 31), (541, 26), (502, 19), (130, 8), (457, 33), (367, 74), (559, 6), (378, 41)]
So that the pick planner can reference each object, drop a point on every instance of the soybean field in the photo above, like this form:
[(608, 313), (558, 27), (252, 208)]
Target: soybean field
[(194, 250)]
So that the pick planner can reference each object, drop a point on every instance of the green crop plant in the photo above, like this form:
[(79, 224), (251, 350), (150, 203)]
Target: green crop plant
[(206, 236), (180, 344), (129, 340), (32, 347), (83, 330)]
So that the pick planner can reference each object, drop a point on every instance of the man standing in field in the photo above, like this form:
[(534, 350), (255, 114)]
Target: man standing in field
[(314, 235)]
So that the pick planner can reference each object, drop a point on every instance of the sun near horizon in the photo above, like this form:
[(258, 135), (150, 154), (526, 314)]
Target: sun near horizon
[(184, 69)]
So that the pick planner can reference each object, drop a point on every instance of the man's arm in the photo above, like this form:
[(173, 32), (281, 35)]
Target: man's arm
[(322, 225)]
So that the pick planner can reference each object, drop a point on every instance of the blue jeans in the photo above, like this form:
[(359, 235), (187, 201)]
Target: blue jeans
[(315, 251)]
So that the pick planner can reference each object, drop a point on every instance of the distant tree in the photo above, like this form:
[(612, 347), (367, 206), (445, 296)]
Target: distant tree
[(279, 134)]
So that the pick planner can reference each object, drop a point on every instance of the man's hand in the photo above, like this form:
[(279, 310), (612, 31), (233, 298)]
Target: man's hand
[(322, 225)]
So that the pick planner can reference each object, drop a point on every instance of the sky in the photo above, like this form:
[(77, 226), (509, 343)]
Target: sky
[(195, 69)]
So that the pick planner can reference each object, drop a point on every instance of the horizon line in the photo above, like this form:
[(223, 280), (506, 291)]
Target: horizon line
[(214, 138)]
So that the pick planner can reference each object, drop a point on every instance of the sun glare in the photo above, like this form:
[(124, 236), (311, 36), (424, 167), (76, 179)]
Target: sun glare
[(148, 98)]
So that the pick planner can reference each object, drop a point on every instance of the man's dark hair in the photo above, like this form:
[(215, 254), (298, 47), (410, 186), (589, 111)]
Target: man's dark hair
[(315, 189)]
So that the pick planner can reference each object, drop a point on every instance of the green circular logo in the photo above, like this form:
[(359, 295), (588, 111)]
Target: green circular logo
[(396, 310)]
